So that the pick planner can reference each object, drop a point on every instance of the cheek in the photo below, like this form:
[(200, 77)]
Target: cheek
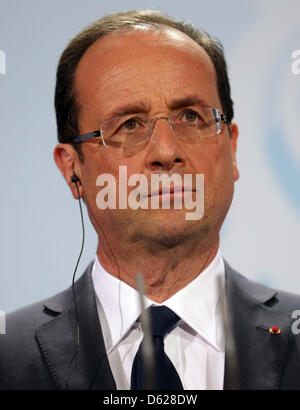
[(215, 162), (99, 162), (221, 179)]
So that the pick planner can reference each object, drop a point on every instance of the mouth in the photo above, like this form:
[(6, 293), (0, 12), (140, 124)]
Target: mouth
[(171, 191)]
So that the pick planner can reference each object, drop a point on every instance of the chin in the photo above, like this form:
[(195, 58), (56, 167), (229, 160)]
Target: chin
[(170, 228)]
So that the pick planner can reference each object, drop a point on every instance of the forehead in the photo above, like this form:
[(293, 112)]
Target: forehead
[(144, 64)]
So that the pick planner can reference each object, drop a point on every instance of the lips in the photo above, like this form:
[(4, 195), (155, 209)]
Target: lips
[(179, 185), (172, 190)]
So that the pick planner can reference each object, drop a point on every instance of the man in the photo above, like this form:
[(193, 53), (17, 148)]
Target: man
[(140, 91)]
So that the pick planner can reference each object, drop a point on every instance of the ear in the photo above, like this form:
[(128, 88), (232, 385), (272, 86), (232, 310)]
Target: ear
[(66, 159), (233, 146)]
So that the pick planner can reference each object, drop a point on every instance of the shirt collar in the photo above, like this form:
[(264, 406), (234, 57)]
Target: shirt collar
[(119, 303), (196, 304), (199, 303)]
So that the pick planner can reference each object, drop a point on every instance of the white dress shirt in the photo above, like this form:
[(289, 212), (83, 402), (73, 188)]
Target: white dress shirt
[(196, 346)]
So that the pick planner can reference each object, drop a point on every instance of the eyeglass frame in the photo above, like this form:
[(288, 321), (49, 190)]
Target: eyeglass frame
[(99, 133)]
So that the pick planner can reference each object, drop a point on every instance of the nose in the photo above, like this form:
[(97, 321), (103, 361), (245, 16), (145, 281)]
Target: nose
[(164, 148)]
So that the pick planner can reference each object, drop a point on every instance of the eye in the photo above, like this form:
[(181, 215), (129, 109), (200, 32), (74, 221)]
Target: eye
[(190, 116), (129, 125), (116, 132)]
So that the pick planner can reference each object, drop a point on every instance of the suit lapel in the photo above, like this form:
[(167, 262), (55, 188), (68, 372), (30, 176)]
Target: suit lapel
[(57, 338), (259, 353)]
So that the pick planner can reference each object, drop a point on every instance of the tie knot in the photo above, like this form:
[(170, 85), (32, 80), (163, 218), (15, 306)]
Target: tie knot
[(163, 320)]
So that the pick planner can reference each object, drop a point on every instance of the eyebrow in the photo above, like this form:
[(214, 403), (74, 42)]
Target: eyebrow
[(130, 109), (187, 101), (142, 107)]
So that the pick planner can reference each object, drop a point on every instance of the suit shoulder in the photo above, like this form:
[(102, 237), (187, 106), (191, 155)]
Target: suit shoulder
[(21, 324), (287, 301), (20, 358), (278, 299), (23, 363)]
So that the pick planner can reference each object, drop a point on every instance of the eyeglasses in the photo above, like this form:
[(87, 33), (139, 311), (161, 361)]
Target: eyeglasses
[(191, 125)]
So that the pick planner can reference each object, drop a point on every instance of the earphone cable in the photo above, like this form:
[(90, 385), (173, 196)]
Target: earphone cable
[(74, 293)]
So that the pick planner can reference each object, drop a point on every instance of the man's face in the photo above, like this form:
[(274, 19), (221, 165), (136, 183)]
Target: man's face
[(152, 69)]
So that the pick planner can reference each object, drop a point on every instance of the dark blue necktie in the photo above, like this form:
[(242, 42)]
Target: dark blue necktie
[(163, 321)]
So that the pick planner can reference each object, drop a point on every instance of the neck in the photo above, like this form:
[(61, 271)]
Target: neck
[(166, 268)]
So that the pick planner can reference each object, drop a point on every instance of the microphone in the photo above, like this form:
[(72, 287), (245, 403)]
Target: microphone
[(233, 382), (148, 348)]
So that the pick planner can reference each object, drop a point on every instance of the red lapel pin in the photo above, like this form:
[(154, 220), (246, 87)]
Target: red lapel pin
[(274, 330)]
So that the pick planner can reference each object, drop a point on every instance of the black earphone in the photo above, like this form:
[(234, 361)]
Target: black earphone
[(149, 369), (74, 178)]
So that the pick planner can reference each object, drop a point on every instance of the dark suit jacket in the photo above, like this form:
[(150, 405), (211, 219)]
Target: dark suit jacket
[(40, 340)]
